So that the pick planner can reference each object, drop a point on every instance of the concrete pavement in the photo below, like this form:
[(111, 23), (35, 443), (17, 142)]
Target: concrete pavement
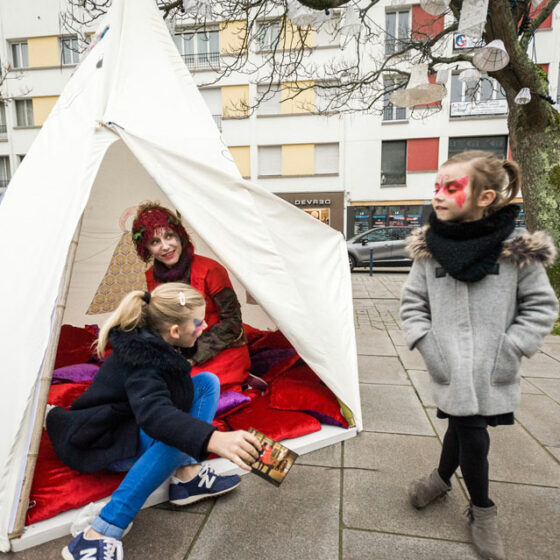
[(348, 501)]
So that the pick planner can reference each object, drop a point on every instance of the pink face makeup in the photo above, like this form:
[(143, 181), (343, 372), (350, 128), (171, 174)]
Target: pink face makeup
[(198, 325), (452, 189)]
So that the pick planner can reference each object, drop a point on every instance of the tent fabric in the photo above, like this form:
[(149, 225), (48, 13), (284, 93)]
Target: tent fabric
[(131, 125)]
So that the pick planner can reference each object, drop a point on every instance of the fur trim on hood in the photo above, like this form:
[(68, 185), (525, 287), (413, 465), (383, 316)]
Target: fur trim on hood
[(142, 348), (521, 247)]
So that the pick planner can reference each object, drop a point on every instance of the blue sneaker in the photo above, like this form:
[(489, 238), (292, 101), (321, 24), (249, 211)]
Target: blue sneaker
[(80, 548), (206, 484)]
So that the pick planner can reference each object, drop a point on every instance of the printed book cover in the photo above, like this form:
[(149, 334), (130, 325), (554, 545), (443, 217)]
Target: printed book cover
[(275, 461)]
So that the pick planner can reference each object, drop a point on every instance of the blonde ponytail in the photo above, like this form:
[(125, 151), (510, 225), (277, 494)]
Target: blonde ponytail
[(514, 180), (169, 304)]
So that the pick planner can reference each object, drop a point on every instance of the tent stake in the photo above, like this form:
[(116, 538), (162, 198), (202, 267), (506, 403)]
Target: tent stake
[(45, 384)]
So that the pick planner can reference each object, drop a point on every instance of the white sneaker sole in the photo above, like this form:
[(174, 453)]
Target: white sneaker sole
[(200, 497), (66, 554)]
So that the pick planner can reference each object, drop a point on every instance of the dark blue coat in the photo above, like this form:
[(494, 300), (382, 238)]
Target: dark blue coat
[(144, 383)]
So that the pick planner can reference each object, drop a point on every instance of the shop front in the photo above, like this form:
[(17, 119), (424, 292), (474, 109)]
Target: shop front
[(328, 207), (360, 218)]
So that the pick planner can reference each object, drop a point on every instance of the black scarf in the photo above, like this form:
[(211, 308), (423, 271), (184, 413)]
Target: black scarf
[(179, 272), (468, 251)]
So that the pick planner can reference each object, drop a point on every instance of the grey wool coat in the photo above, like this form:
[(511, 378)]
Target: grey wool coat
[(472, 336)]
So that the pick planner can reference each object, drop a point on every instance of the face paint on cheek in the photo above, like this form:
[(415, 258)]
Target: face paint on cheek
[(198, 325), (460, 185)]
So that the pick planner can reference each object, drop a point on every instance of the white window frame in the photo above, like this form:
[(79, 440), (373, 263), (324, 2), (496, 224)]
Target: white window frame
[(270, 154), (385, 180), (70, 52), (190, 43), (390, 111), (20, 55), (326, 158), (268, 36), (3, 123), (5, 171), (213, 99), (471, 102), (27, 113), (272, 102), (397, 33)]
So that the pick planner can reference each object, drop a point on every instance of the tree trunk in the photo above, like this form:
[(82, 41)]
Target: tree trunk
[(537, 151)]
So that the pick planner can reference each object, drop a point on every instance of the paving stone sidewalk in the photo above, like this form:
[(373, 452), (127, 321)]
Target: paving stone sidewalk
[(348, 501)]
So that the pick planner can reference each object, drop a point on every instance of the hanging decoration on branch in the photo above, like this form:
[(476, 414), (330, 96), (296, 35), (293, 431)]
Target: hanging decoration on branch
[(435, 7), (419, 90), (442, 76), (491, 57), (523, 97), (473, 18), (469, 75), (302, 15), (351, 22)]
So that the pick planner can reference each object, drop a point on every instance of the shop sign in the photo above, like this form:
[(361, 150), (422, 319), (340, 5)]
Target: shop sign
[(314, 202)]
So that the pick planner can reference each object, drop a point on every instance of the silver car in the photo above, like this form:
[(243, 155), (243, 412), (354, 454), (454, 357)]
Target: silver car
[(388, 244)]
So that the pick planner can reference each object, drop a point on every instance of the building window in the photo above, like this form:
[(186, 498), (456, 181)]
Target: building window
[(69, 51), (393, 162), (5, 174), (397, 30), (3, 126), (326, 158), (19, 55), (390, 112), (24, 112), (268, 35), (271, 98), (200, 50), (321, 214), (270, 160), (494, 144), (213, 99), (484, 97)]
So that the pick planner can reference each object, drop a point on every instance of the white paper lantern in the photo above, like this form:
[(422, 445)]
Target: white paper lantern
[(491, 57), (473, 18), (171, 23), (523, 97), (419, 90), (469, 75), (537, 3), (435, 7), (442, 76), (351, 22), (302, 16)]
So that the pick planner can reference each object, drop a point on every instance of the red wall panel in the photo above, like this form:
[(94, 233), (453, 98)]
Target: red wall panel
[(424, 24), (422, 154)]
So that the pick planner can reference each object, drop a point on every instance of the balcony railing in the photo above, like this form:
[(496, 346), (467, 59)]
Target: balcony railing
[(475, 108), (391, 113), (218, 121), (202, 61)]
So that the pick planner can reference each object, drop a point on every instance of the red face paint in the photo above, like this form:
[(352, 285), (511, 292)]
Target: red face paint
[(453, 189)]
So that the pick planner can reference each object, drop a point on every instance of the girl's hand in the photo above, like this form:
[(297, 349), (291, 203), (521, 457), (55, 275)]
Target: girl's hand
[(240, 447)]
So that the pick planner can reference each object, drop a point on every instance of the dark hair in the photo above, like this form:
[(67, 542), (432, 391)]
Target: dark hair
[(487, 171)]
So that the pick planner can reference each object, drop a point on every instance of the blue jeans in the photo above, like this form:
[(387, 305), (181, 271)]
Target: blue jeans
[(153, 464)]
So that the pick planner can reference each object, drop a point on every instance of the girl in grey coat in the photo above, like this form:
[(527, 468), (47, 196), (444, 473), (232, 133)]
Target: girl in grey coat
[(477, 299)]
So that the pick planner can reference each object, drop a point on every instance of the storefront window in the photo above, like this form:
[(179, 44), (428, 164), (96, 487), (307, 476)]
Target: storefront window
[(323, 214), (361, 220)]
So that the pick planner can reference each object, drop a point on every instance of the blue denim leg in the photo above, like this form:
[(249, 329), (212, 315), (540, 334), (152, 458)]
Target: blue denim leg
[(155, 463)]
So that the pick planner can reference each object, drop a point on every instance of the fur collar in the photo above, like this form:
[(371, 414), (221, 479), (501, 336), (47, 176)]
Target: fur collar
[(521, 247), (142, 348)]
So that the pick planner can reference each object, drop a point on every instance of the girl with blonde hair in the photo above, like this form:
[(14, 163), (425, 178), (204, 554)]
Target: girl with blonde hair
[(144, 414)]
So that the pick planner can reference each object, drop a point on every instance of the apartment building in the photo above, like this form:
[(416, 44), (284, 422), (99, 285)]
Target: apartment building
[(351, 171)]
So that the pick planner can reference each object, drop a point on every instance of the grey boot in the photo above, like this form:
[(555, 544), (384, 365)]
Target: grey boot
[(425, 490), (486, 534)]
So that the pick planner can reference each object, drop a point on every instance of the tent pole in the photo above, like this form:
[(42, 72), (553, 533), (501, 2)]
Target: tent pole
[(45, 384)]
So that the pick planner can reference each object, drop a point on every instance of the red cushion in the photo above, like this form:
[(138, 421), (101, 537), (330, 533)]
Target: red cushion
[(277, 424), (74, 345), (56, 487), (280, 369), (230, 365), (307, 396), (265, 339), (302, 373)]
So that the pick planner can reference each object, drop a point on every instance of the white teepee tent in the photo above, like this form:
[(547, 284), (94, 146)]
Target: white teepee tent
[(130, 126)]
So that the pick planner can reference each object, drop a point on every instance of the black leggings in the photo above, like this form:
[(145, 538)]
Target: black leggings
[(468, 448)]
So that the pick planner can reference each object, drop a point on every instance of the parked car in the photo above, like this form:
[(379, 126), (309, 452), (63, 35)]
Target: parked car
[(388, 244)]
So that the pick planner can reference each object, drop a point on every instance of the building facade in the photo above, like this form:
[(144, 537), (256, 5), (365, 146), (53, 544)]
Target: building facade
[(351, 171)]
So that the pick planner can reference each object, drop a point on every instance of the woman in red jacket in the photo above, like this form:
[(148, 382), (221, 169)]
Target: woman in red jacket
[(159, 235)]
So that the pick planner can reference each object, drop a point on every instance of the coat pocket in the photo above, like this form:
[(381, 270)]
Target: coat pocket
[(508, 360), (435, 359)]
